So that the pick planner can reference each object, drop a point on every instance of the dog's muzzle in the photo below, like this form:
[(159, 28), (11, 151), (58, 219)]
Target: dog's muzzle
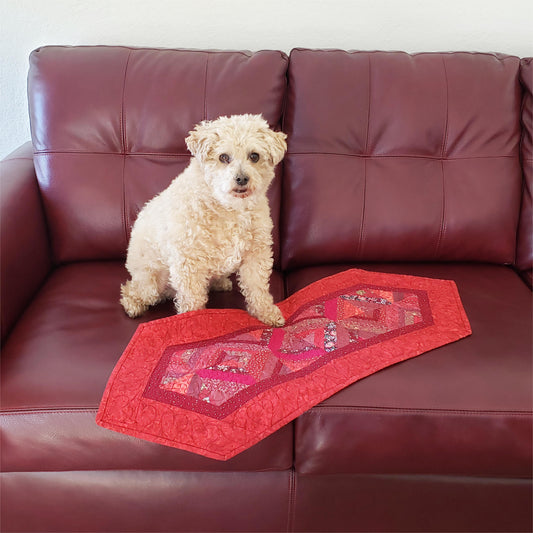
[(241, 190)]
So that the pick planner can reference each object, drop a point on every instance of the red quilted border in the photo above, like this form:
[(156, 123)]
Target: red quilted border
[(215, 382)]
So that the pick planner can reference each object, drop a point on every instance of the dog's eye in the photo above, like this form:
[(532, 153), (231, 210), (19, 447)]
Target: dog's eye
[(224, 158), (254, 157)]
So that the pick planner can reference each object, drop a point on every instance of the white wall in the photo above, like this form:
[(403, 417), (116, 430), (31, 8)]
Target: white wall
[(410, 25)]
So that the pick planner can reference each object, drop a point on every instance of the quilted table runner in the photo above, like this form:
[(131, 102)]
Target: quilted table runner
[(215, 382)]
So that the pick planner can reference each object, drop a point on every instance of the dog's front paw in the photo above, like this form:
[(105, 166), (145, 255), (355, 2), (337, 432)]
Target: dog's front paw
[(182, 306), (272, 317)]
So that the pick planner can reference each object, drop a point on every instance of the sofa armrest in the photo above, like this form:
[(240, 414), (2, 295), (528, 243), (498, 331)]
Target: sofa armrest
[(527, 276), (524, 252), (25, 257)]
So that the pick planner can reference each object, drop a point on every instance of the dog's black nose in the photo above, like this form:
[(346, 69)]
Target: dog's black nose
[(242, 179)]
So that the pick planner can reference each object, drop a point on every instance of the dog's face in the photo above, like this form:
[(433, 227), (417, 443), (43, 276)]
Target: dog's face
[(238, 155)]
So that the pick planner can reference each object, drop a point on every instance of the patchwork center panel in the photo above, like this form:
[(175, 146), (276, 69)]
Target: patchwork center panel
[(217, 376)]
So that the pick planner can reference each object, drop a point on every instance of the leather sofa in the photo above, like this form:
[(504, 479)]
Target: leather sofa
[(416, 164)]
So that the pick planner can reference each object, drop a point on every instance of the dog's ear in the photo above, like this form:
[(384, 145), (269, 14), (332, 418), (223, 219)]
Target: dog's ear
[(276, 144), (201, 139)]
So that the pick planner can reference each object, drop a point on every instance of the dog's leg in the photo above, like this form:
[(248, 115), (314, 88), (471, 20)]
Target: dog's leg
[(223, 284), (254, 279), (192, 290), (138, 295)]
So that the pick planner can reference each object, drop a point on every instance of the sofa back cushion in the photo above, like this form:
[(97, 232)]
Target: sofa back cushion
[(109, 123), (398, 157)]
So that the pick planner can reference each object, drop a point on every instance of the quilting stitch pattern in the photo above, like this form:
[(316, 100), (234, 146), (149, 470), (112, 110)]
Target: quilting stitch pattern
[(217, 381), (217, 377)]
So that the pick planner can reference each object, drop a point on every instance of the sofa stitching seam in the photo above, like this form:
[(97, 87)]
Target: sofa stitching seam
[(359, 246), (442, 229), (363, 212), (368, 108), (403, 156), (49, 411), (444, 146), (205, 86), (336, 154), (121, 154), (292, 500), (124, 147), (317, 410)]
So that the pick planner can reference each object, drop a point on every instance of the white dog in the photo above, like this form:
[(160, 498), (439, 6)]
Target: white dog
[(212, 220)]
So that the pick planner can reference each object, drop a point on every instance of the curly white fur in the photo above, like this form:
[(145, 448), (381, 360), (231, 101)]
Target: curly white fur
[(213, 220)]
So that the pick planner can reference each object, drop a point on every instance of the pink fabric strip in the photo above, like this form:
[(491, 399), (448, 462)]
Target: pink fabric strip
[(226, 376)]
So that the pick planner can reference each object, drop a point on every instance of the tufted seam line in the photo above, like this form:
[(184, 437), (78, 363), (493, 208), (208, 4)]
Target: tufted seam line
[(444, 146), (123, 134), (442, 229), (336, 154), (446, 119), (359, 246), (124, 147), (205, 86), (129, 154), (292, 500), (363, 212), (368, 108), (403, 156)]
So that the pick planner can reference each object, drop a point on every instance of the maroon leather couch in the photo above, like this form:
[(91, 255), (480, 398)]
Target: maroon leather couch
[(418, 164)]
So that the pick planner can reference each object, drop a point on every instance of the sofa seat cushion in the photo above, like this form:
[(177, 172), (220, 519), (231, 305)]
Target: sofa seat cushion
[(56, 364), (135, 501), (462, 409)]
